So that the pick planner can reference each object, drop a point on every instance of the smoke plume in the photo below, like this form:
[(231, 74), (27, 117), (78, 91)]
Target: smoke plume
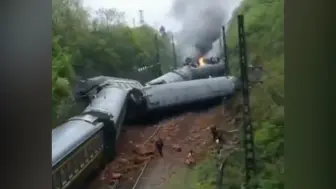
[(201, 22)]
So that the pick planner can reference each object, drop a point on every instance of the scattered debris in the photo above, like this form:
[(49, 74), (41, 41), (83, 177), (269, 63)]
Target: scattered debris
[(188, 132), (177, 147), (116, 176)]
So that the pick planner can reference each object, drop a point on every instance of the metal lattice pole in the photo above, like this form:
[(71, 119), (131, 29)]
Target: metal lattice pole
[(157, 59), (250, 165)]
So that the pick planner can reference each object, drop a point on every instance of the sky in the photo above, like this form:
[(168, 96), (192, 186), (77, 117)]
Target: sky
[(155, 11)]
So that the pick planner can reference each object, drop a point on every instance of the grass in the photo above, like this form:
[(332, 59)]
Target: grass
[(199, 177), (264, 35)]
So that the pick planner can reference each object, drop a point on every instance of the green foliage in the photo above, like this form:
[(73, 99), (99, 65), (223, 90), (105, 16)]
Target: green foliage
[(264, 34), (201, 176), (103, 44), (62, 74)]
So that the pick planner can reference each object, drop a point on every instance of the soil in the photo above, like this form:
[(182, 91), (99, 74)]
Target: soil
[(190, 131)]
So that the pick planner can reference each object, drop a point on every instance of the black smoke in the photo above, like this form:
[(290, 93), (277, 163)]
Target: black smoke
[(201, 22)]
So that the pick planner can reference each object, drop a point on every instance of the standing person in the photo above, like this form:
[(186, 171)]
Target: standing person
[(190, 154), (218, 144), (190, 159), (159, 146), (214, 132)]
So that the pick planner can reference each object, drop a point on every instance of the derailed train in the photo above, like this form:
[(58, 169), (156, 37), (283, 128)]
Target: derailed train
[(88, 140), (187, 73)]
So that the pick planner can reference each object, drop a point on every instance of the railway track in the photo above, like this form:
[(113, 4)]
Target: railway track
[(133, 185)]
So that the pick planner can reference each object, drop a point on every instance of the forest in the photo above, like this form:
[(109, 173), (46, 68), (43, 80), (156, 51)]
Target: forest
[(87, 44)]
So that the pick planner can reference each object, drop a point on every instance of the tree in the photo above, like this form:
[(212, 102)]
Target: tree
[(102, 44)]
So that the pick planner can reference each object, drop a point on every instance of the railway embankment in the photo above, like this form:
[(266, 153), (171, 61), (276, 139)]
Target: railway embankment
[(136, 150)]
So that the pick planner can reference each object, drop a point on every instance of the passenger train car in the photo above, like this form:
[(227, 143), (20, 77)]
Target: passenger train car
[(87, 140), (75, 146)]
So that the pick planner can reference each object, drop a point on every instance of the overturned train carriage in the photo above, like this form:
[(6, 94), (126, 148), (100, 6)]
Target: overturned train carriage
[(88, 140), (174, 94), (187, 73)]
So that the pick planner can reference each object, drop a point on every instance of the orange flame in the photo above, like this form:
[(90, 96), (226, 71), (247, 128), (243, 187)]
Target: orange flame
[(201, 62)]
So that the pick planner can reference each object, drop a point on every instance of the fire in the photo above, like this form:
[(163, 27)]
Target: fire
[(201, 62)]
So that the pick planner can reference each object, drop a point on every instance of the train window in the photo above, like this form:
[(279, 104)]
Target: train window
[(76, 163), (81, 158), (64, 177), (86, 155), (96, 144), (93, 144), (101, 142), (91, 149), (70, 169), (56, 179), (88, 149)]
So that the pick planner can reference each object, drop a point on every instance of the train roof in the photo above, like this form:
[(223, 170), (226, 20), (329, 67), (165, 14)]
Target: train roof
[(89, 87), (69, 136), (104, 80), (109, 100)]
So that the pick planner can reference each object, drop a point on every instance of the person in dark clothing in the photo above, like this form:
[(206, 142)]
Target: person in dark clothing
[(214, 132), (219, 143), (159, 146)]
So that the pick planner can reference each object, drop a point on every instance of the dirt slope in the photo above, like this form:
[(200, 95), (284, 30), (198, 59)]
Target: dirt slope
[(181, 134)]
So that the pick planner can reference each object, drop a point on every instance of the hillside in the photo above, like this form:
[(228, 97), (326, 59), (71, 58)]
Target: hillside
[(265, 42), (86, 44), (264, 26)]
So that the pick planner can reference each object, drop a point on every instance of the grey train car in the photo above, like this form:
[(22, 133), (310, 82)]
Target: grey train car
[(88, 140), (87, 89), (187, 73), (179, 93), (75, 146)]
